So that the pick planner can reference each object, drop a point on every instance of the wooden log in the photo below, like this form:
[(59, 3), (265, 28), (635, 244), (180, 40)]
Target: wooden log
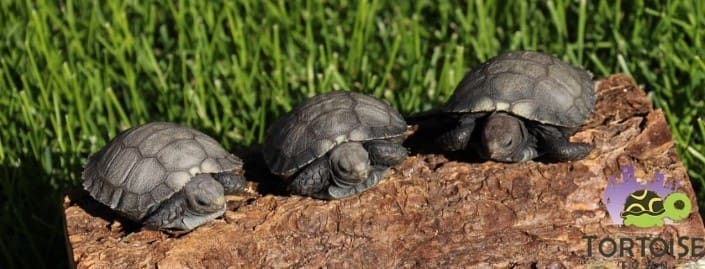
[(434, 212)]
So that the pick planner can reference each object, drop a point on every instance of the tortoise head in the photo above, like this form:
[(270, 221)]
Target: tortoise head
[(350, 163), (199, 201), (204, 195), (503, 136)]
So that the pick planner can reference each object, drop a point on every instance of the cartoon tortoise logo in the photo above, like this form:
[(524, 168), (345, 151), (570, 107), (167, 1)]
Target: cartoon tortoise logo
[(645, 208)]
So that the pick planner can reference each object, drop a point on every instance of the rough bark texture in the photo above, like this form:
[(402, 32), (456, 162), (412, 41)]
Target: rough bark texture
[(428, 212)]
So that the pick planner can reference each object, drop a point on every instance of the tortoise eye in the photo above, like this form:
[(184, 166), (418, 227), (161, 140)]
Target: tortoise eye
[(201, 202), (343, 168), (508, 142)]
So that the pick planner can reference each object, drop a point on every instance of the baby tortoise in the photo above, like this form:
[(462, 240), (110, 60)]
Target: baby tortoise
[(525, 103), (164, 175), (336, 144)]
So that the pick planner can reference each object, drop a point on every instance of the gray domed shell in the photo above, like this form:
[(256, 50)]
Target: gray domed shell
[(529, 84), (317, 125), (145, 165)]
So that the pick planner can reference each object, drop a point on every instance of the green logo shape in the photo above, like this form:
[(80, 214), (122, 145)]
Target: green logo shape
[(644, 208)]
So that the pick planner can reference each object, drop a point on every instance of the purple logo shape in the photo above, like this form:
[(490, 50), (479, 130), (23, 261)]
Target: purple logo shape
[(616, 193)]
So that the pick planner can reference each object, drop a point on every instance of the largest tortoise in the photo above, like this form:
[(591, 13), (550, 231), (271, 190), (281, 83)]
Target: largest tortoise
[(336, 144), (526, 104), (164, 175)]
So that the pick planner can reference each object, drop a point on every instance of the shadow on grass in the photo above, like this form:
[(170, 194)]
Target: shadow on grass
[(30, 218)]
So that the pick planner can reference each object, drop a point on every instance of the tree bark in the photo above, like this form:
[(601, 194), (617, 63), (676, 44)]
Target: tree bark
[(430, 212)]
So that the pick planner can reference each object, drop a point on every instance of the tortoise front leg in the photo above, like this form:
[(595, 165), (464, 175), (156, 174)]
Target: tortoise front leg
[(557, 146), (385, 153), (458, 137), (232, 183), (313, 179)]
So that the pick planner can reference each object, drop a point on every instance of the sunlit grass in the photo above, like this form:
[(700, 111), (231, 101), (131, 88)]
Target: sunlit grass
[(74, 74)]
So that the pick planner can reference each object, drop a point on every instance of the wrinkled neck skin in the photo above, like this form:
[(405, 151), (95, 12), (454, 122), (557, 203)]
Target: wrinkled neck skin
[(349, 163), (342, 183), (174, 213), (350, 171), (341, 189)]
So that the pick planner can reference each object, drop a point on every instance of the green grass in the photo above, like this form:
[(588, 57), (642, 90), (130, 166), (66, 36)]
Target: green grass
[(72, 75)]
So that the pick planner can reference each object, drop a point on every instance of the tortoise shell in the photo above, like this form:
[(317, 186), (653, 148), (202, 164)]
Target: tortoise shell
[(320, 123), (145, 165), (528, 84)]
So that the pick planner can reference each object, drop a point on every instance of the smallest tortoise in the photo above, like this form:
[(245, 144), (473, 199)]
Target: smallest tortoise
[(335, 145), (525, 104), (164, 175)]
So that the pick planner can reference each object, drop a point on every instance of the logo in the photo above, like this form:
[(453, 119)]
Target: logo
[(651, 204), (644, 205)]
